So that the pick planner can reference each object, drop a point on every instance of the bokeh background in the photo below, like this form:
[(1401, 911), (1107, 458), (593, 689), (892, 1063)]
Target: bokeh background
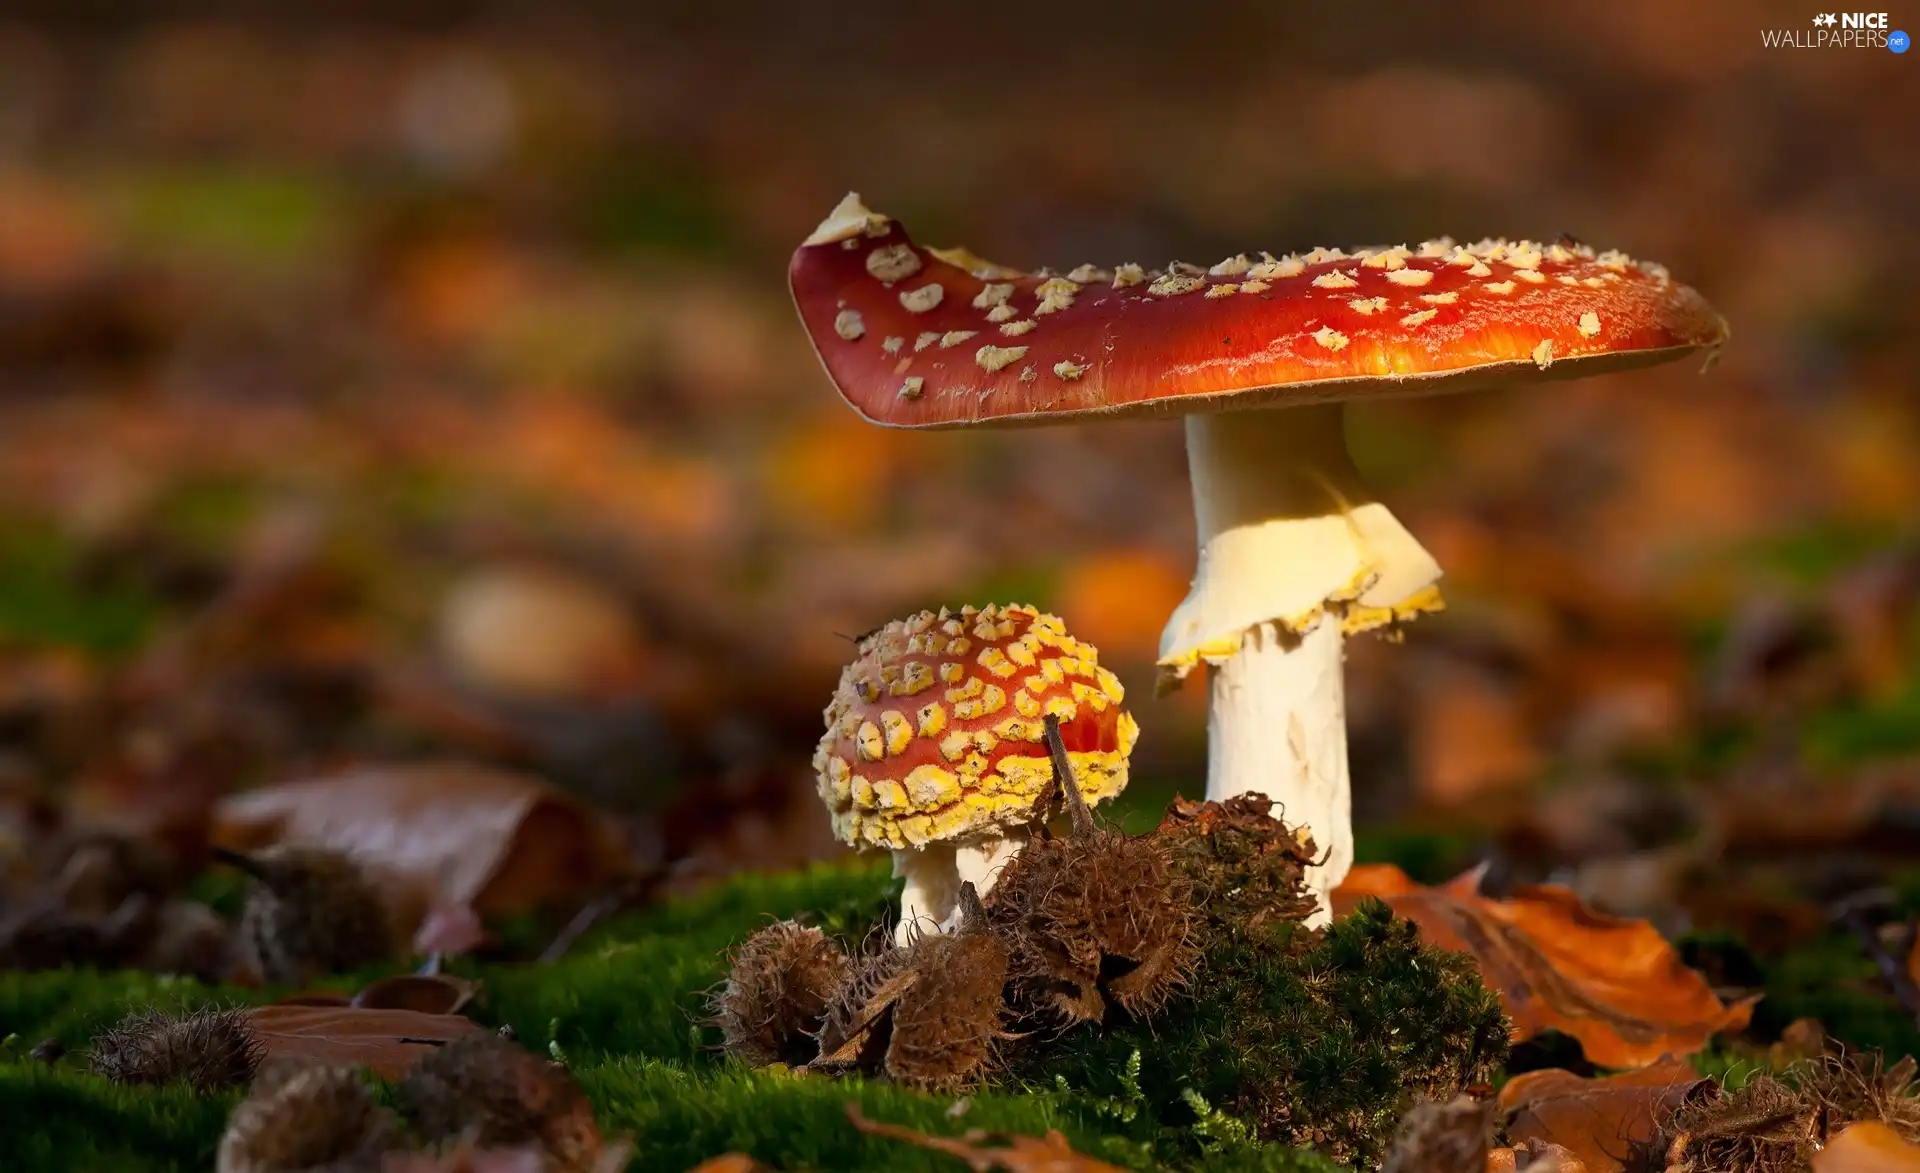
[(381, 382)]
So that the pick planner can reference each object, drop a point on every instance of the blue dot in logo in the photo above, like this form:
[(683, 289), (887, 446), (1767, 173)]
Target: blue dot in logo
[(1898, 41)]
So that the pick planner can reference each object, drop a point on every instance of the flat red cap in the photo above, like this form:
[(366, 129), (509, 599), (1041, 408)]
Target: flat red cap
[(924, 338)]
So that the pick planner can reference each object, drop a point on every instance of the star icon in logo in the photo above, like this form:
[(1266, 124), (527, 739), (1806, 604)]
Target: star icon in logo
[(1825, 18)]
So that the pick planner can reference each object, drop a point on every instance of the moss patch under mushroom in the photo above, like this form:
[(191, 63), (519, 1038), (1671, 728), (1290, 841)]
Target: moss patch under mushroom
[(622, 1008)]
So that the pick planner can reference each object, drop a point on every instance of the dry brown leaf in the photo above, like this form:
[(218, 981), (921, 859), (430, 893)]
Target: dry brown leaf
[(421, 993), (387, 1041), (1598, 1120), (1614, 984), (424, 993), (1868, 1147), (1012, 1154), (1547, 1157), (451, 834)]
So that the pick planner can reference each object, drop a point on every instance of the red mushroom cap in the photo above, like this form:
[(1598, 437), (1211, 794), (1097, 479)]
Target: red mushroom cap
[(924, 338), (938, 728)]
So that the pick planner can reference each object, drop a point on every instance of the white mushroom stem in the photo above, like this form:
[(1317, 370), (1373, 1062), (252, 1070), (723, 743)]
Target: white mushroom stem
[(930, 902), (1293, 549), (1278, 725)]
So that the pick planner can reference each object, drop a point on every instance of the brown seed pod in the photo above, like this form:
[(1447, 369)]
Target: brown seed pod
[(488, 1091), (1247, 868), (776, 994), (927, 1013), (947, 1025), (312, 911), (857, 1026), (1092, 918), (301, 1117), (206, 1050)]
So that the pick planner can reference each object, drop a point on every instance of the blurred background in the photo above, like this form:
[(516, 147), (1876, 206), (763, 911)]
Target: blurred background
[(418, 380)]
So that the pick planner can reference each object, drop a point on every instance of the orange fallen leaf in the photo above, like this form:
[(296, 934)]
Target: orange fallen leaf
[(1599, 1121), (452, 834), (1868, 1147), (1547, 1157), (1013, 1154), (387, 1041), (1614, 984)]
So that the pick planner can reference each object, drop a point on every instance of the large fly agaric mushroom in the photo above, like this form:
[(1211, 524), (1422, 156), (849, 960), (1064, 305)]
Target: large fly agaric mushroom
[(1295, 553), (935, 745)]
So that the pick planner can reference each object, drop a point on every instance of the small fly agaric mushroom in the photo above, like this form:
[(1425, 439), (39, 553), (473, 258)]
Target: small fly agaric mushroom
[(935, 744), (1294, 552)]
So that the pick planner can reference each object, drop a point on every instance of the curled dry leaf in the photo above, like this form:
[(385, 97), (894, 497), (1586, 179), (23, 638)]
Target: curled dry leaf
[(389, 1042), (1614, 984), (1868, 1147), (449, 834), (1013, 1154), (422, 993), (1601, 1122)]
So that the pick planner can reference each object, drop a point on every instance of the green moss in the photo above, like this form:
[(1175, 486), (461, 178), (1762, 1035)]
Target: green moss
[(1814, 554), (256, 217), (57, 1118), (1429, 857), (1831, 979), (625, 1008), (47, 600), (1857, 733), (75, 1005), (637, 987), (1322, 1039)]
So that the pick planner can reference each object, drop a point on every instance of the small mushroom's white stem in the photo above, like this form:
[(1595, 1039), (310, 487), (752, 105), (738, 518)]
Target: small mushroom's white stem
[(931, 892), (930, 901), (1278, 725), (1293, 552)]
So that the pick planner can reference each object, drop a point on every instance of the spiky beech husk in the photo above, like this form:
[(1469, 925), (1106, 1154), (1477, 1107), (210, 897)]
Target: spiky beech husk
[(1094, 918), (206, 1050), (306, 1117), (776, 994), (929, 1013), (488, 1091), (1247, 869), (311, 912), (947, 1027), (857, 1025), (1776, 1123)]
